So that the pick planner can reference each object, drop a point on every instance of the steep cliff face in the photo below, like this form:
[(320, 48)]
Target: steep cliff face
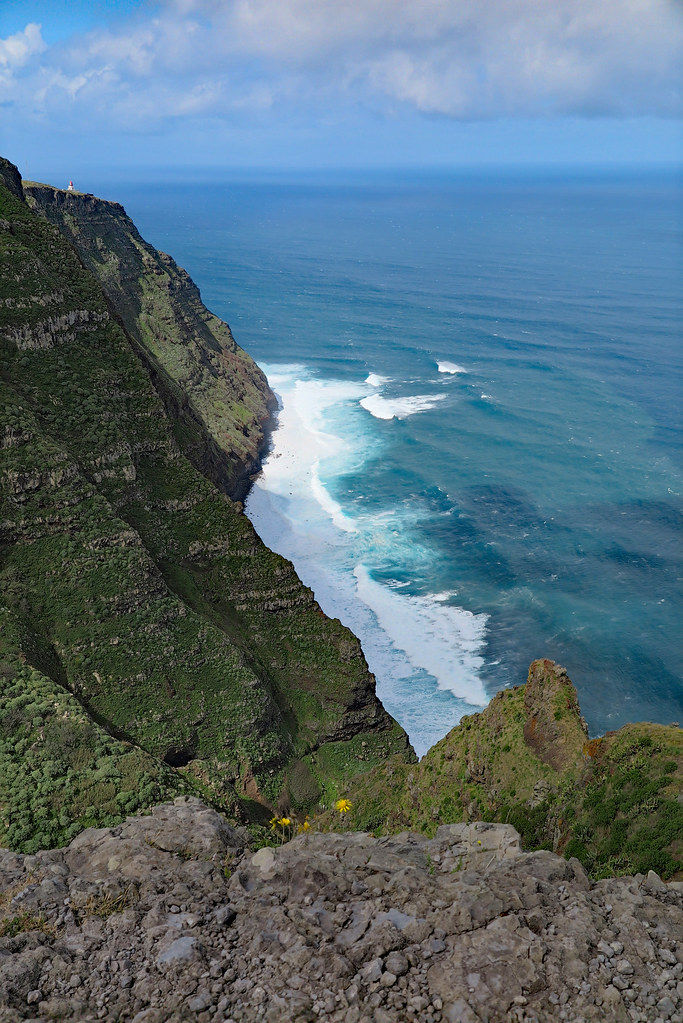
[(218, 399), (613, 802), (151, 646), (129, 581)]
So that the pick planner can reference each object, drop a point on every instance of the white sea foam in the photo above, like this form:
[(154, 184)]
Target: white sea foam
[(414, 645), (301, 441), (450, 367), (487, 397), (399, 408), (328, 503), (443, 640), (375, 380)]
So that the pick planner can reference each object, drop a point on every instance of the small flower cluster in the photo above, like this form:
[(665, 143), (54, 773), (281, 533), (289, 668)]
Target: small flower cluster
[(285, 827), (282, 826)]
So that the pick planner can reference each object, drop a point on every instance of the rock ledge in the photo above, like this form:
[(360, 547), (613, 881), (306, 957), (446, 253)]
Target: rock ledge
[(171, 918)]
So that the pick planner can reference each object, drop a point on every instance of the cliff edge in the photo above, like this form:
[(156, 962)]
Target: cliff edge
[(615, 802), (151, 646), (144, 623), (171, 918)]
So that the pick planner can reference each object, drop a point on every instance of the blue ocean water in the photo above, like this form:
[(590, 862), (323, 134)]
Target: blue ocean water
[(479, 454)]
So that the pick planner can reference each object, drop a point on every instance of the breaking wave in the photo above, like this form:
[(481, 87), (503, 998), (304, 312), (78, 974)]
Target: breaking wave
[(399, 408), (425, 652)]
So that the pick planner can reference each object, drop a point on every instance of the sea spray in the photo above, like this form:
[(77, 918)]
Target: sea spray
[(446, 641)]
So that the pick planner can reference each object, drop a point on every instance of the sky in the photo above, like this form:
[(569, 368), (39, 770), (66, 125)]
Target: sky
[(185, 87)]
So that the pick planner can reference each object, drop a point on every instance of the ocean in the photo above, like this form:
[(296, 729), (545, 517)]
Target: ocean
[(478, 458)]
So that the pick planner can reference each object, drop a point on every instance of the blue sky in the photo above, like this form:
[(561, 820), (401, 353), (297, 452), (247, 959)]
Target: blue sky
[(187, 86)]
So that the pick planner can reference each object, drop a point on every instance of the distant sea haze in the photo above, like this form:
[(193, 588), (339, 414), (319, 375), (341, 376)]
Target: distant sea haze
[(478, 454)]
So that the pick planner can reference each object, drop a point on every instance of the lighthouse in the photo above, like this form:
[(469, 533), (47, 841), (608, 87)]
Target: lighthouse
[(71, 187)]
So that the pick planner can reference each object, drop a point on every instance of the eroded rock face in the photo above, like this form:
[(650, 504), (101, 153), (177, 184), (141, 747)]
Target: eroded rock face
[(222, 400), (172, 918), (554, 728), (131, 584)]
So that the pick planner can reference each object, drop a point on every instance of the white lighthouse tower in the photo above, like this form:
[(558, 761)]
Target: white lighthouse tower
[(71, 187)]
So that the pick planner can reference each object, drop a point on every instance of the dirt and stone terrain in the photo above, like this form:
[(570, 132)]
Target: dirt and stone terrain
[(170, 917)]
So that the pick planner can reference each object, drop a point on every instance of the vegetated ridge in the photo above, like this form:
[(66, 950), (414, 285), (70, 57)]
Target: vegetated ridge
[(613, 802), (149, 642), (218, 400)]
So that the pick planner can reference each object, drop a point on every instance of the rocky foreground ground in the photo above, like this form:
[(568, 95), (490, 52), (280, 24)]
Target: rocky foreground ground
[(170, 917)]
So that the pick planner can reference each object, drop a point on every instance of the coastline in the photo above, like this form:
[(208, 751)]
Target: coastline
[(424, 651), (243, 483)]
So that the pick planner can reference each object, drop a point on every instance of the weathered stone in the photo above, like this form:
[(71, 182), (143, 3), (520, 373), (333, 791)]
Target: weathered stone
[(179, 951), (329, 927)]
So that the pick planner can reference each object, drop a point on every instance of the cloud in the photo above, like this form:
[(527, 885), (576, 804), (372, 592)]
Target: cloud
[(17, 50), (454, 58)]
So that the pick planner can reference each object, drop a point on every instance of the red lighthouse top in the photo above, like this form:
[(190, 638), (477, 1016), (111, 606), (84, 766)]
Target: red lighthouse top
[(71, 187)]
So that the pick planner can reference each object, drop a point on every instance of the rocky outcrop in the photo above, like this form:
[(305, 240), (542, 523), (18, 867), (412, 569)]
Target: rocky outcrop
[(10, 178), (216, 396), (613, 802), (554, 728), (171, 918)]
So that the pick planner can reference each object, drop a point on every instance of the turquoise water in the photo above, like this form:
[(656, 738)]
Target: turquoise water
[(479, 456)]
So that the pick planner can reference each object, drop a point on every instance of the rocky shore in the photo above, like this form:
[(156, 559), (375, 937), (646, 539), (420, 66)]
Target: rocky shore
[(171, 917)]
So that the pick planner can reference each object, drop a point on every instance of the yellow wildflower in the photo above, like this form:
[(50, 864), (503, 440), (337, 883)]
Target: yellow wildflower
[(305, 826), (343, 805), (285, 822)]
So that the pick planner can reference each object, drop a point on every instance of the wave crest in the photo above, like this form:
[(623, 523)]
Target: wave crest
[(443, 640), (399, 408)]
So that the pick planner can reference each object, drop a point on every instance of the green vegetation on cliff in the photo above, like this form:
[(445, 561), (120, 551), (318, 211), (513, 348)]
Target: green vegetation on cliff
[(218, 400), (526, 760), (61, 772), (133, 583)]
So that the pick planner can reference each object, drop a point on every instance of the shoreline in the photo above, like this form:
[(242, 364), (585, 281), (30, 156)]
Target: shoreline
[(270, 425), (424, 653)]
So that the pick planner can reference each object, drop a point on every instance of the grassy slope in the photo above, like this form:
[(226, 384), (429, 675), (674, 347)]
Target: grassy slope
[(149, 595), (60, 771), (128, 580), (526, 759)]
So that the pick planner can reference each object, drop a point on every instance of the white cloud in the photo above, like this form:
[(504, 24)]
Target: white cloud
[(456, 58), (16, 51)]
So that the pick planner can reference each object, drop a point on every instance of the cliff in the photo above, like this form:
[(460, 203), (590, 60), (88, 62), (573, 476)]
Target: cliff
[(151, 646), (218, 400), (613, 802), (171, 918), (143, 621)]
